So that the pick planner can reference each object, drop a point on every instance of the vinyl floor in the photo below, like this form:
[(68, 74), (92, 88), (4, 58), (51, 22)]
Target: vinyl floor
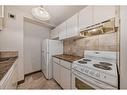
[(38, 81)]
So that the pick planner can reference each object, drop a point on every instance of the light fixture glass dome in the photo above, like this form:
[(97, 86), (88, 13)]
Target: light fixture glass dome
[(40, 13)]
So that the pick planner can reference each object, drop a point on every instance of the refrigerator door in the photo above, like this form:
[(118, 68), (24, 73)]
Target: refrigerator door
[(45, 65), (45, 58), (49, 48), (55, 47)]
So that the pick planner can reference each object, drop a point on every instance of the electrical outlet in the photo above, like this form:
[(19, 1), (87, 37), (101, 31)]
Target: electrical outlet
[(11, 16)]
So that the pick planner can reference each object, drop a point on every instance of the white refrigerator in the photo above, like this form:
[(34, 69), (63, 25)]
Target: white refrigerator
[(49, 48)]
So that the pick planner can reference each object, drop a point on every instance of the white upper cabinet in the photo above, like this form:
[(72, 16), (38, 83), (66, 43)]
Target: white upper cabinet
[(62, 31), (1, 11), (1, 17), (72, 26), (54, 34), (86, 17), (103, 13)]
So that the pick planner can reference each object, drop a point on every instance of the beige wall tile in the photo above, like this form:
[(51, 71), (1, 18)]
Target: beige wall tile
[(106, 42), (91, 43)]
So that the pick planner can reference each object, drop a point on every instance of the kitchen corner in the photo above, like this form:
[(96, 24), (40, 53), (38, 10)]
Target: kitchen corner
[(80, 49)]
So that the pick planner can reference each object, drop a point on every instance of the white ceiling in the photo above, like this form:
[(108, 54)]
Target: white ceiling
[(59, 13)]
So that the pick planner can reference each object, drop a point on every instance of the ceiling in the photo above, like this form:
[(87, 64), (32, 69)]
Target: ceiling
[(61, 13), (58, 13)]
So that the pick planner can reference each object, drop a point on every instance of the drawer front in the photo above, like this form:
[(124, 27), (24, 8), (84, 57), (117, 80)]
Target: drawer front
[(56, 60), (65, 64)]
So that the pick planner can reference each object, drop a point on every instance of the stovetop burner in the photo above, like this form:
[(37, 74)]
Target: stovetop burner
[(104, 67), (82, 62), (86, 59), (105, 63)]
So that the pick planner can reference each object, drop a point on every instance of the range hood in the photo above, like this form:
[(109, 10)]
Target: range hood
[(100, 28)]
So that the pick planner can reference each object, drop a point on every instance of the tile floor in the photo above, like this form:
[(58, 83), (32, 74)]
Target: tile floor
[(38, 81)]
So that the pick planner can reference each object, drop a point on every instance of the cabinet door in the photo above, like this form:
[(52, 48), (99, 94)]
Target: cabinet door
[(1, 11), (65, 78), (1, 16), (1, 23), (103, 13), (72, 26), (86, 17), (56, 72), (62, 31), (12, 81), (54, 33)]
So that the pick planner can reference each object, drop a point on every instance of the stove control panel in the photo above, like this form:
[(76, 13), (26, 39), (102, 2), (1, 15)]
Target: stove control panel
[(95, 74)]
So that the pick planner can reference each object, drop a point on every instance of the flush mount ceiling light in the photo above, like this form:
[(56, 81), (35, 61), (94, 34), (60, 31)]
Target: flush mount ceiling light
[(40, 13)]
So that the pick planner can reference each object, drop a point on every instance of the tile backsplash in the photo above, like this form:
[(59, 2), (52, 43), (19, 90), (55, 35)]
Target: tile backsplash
[(105, 42)]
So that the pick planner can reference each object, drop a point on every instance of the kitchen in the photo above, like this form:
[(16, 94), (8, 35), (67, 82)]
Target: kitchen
[(79, 47)]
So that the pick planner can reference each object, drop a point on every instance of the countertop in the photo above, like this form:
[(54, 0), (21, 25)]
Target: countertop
[(67, 57), (5, 65)]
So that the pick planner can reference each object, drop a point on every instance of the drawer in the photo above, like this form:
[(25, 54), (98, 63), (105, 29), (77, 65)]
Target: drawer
[(56, 60), (65, 64)]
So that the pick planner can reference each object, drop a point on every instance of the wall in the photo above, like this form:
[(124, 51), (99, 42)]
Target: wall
[(106, 42), (11, 38), (33, 36), (123, 47)]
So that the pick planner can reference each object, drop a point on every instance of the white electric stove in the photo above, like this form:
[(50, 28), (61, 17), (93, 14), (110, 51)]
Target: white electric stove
[(97, 70)]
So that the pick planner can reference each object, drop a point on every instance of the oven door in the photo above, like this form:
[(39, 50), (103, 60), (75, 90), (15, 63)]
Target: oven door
[(79, 83), (82, 81)]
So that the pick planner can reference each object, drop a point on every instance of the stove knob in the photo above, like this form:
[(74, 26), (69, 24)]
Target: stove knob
[(82, 69), (98, 75), (86, 71), (105, 77), (75, 66), (91, 72)]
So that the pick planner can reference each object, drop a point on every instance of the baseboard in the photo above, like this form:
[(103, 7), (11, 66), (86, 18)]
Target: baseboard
[(22, 81), (33, 72), (57, 83)]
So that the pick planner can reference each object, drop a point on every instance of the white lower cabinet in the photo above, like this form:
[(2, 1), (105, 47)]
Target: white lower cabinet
[(9, 81), (62, 74), (65, 78), (56, 72), (12, 81)]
